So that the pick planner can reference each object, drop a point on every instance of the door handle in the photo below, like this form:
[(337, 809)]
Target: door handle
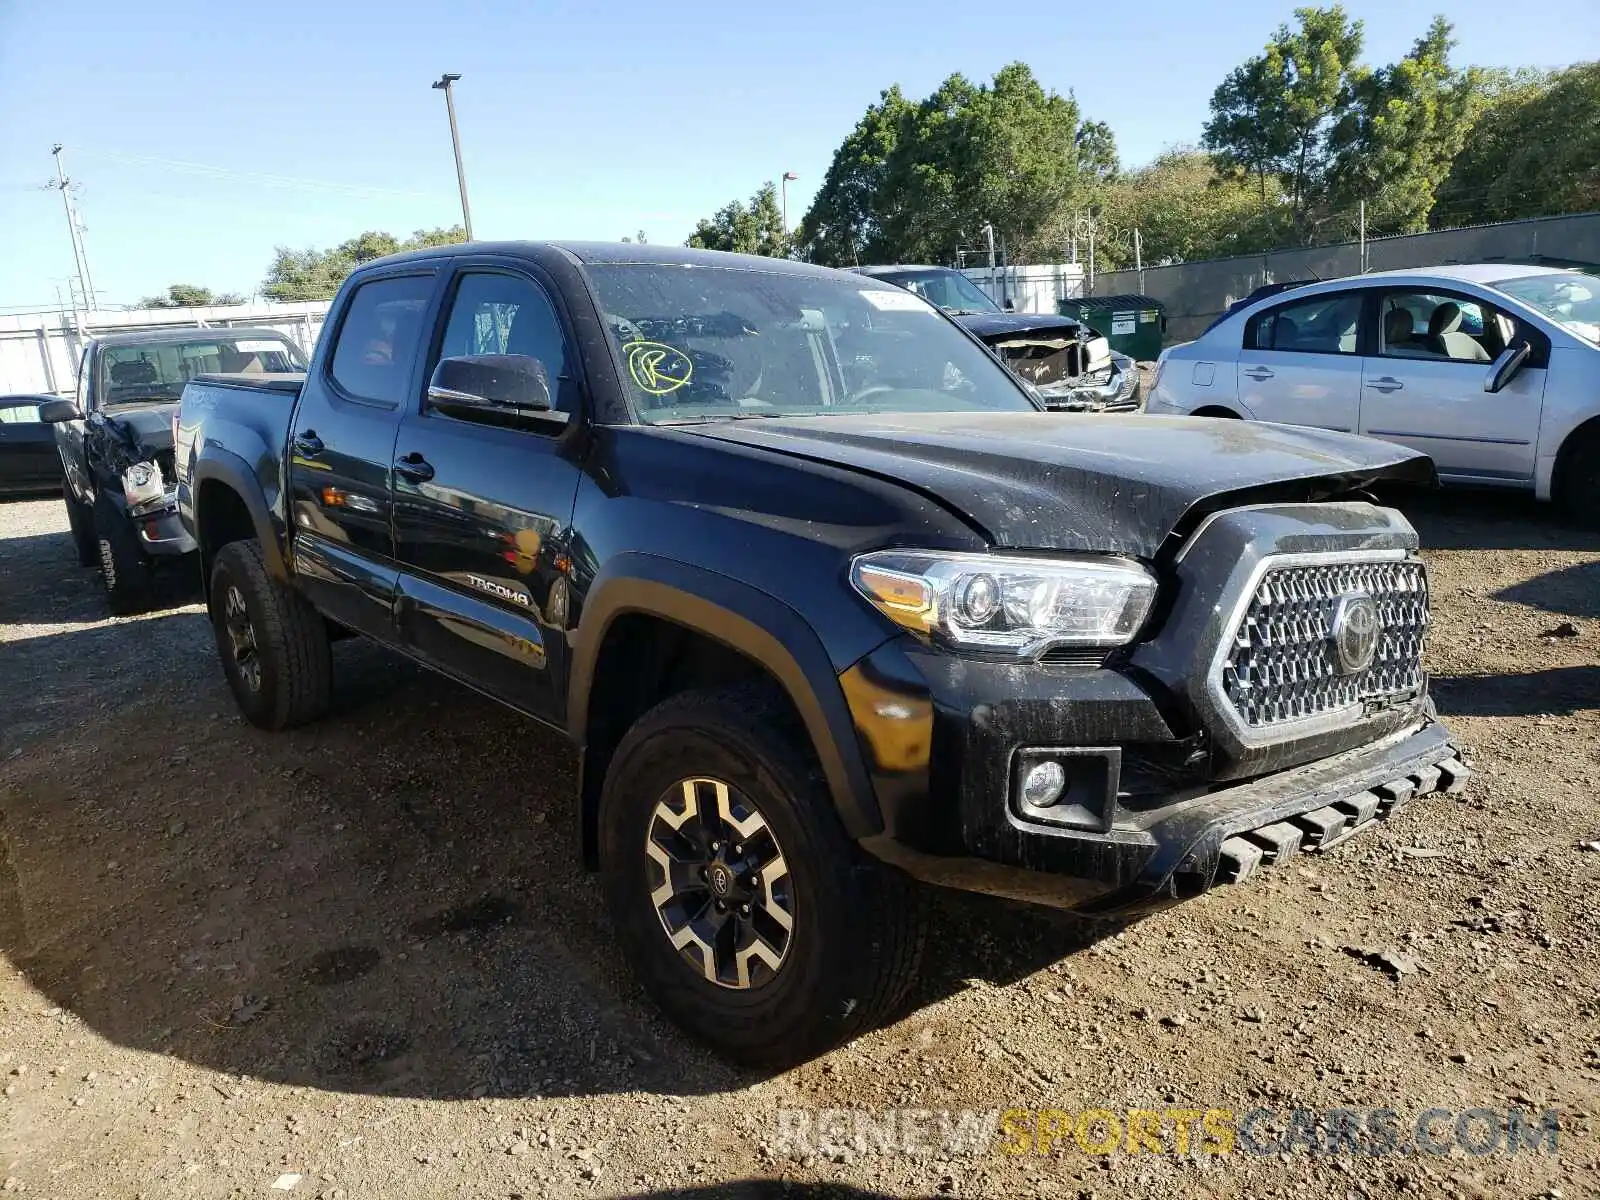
[(307, 444), (1386, 384), (1258, 373), (413, 467)]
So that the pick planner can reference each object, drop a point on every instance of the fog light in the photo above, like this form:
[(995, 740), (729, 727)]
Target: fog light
[(1043, 784)]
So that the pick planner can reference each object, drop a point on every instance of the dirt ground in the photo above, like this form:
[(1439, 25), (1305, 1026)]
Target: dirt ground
[(360, 960)]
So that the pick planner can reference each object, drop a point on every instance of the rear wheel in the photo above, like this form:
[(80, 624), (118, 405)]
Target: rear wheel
[(749, 915), (80, 517), (273, 644), (124, 569), (1579, 479)]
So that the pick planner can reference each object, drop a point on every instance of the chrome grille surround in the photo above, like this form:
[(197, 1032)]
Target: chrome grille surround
[(1276, 675)]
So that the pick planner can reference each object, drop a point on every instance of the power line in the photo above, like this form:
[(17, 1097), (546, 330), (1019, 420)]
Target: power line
[(208, 170)]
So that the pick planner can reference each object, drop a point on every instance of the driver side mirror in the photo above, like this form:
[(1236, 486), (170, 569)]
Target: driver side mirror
[(1505, 368), (53, 412), (1010, 305), (479, 384)]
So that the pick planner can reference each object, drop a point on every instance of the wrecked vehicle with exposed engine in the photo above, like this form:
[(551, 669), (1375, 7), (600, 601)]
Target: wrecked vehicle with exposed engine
[(115, 444), (824, 603), (1070, 367)]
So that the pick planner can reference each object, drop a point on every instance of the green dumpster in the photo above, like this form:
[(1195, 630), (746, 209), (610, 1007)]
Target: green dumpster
[(1134, 325)]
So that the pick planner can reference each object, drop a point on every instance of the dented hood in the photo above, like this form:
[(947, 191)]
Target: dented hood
[(147, 427), (1117, 484)]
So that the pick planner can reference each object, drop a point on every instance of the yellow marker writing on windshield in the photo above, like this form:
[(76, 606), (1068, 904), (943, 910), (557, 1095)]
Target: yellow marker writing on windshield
[(658, 368)]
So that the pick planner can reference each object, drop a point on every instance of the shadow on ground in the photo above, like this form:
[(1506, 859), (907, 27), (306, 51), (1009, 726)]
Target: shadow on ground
[(1558, 690), (1487, 519), (1570, 591)]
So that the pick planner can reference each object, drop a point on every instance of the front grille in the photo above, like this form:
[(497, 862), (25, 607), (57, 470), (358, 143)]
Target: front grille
[(1281, 665)]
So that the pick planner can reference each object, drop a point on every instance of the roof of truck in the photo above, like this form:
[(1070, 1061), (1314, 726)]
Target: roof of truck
[(610, 253), (184, 333)]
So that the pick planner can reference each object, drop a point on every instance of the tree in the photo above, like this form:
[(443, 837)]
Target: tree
[(1409, 122), (918, 181), (1533, 150), (187, 295), (1319, 133), (1273, 118), (312, 274), (1183, 208), (753, 229)]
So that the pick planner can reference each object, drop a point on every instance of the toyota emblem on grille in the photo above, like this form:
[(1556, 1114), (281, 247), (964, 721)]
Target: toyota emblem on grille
[(1355, 632)]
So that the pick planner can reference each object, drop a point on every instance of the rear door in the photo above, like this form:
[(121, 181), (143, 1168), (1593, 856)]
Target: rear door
[(1300, 362), (483, 509), (69, 436), (28, 459), (341, 445), (1423, 380)]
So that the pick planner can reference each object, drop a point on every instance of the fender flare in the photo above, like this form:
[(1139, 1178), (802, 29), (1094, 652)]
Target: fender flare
[(755, 624), (226, 467)]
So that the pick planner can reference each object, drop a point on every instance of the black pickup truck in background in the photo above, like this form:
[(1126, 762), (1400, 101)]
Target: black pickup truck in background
[(115, 444), (824, 602)]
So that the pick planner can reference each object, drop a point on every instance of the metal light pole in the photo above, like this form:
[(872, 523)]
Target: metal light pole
[(788, 178), (80, 256), (443, 84)]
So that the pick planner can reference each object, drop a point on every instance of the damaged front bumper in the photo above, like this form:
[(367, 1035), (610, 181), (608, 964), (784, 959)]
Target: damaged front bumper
[(1111, 389), (1139, 826), (161, 532)]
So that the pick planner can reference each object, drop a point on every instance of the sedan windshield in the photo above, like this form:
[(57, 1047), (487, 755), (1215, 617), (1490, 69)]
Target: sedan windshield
[(155, 372), (702, 344), (1569, 299), (950, 290)]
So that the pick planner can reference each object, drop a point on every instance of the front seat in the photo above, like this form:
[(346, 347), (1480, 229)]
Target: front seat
[(1397, 334), (1445, 336)]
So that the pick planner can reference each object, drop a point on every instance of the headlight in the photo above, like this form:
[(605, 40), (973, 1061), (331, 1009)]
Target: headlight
[(142, 484), (1014, 606)]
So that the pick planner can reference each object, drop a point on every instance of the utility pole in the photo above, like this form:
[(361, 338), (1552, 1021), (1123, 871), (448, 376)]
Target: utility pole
[(443, 85), (1363, 236), (1090, 292), (79, 255), (1138, 259), (788, 178), (988, 234)]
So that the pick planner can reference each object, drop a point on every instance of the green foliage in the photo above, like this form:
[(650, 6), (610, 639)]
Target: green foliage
[(1534, 149), (756, 228), (916, 181), (1184, 210), (1275, 117), (312, 274), (187, 295)]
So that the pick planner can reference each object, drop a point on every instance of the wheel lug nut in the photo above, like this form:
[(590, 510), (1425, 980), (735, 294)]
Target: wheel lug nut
[(715, 846), (738, 849), (744, 910), (754, 881)]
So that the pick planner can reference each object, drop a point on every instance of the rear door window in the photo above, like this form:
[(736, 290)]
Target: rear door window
[(1326, 324), (379, 338)]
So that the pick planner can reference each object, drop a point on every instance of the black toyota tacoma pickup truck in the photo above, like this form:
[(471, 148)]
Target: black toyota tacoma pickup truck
[(115, 444), (824, 602)]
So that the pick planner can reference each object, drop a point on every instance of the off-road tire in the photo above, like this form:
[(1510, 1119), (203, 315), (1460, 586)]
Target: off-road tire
[(859, 925), (80, 517), (1579, 481), (294, 675), (124, 570)]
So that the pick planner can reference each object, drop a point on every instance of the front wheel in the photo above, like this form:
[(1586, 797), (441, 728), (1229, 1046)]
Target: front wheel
[(749, 915), (124, 570), (1579, 493), (273, 644)]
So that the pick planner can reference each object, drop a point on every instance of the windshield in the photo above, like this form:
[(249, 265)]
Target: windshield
[(702, 344), (1569, 299), (156, 372), (950, 290)]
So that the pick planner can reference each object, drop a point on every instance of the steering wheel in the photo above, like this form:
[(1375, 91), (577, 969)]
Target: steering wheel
[(876, 389)]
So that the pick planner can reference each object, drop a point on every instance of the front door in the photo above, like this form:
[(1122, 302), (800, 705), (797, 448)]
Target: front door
[(1300, 362), (482, 510), (341, 444), (1423, 385)]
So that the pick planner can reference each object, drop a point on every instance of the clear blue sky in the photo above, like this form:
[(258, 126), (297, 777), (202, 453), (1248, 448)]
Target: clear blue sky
[(204, 134)]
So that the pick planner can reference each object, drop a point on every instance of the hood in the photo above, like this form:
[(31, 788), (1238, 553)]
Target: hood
[(995, 327), (1116, 484), (148, 427)]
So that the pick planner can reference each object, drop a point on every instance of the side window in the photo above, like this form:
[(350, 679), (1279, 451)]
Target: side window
[(83, 383), (1436, 326), (1321, 325), (379, 336), (506, 314)]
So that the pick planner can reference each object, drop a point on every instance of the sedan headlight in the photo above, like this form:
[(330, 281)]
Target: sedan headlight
[(142, 484), (1015, 606)]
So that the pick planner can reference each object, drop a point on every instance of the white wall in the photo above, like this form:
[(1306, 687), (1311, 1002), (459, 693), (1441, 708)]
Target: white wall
[(1034, 288), (39, 352)]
